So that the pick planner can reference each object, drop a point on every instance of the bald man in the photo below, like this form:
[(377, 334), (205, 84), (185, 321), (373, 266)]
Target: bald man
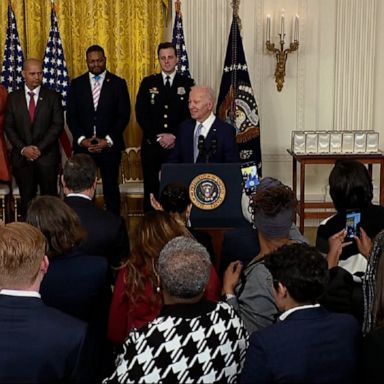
[(33, 124)]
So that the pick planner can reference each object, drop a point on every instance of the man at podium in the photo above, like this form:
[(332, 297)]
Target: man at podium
[(204, 138)]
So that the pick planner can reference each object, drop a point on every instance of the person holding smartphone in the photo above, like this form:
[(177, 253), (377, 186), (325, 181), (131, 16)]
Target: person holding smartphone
[(351, 190)]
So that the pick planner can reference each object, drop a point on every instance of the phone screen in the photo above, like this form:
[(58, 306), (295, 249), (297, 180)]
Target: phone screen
[(250, 177), (352, 224)]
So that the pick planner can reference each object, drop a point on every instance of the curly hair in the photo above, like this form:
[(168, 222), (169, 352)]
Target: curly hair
[(154, 231)]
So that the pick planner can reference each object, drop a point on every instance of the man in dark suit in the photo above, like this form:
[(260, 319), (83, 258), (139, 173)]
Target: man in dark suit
[(205, 138), (106, 232), (98, 113), (160, 108), (308, 344), (33, 123), (38, 344)]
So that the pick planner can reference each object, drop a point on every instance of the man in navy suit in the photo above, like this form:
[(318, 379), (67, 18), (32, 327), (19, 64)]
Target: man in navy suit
[(106, 232), (98, 113), (161, 105), (33, 124), (205, 138), (308, 344), (38, 344)]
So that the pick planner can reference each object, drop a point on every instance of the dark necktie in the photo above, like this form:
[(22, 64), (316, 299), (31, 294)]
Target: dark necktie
[(32, 106), (167, 83)]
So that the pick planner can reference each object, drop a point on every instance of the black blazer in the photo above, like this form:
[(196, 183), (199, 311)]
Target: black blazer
[(153, 103), (44, 132), (226, 147), (309, 346), (106, 232), (111, 116), (40, 344)]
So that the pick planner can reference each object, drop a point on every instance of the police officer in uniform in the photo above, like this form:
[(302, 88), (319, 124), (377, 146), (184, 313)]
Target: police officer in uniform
[(161, 105)]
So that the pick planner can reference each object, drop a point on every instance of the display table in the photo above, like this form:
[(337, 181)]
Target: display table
[(319, 208)]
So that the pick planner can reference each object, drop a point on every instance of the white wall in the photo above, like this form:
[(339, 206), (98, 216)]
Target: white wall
[(335, 81)]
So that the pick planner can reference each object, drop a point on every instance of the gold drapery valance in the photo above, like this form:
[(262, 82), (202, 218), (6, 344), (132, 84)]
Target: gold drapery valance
[(128, 30)]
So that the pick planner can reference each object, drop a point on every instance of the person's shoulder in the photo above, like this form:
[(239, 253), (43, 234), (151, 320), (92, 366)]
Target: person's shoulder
[(47, 92), (56, 319), (223, 124), (185, 80), (80, 78), (109, 76), (154, 77)]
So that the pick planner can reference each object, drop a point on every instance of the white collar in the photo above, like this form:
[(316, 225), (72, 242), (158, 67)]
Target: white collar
[(73, 194), (36, 91), (171, 76), (101, 76), (20, 293), (285, 314)]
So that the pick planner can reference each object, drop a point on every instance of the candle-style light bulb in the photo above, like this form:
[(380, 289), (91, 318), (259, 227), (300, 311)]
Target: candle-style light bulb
[(282, 24), (268, 32), (296, 35)]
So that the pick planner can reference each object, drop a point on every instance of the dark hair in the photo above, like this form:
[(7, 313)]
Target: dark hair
[(95, 48), (350, 185), (79, 172), (301, 269), (272, 197), (166, 45), (273, 208), (174, 198), (58, 222)]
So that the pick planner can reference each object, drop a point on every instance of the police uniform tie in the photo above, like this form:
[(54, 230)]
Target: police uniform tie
[(167, 82)]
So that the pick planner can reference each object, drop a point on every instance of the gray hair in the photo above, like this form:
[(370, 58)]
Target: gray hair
[(184, 267)]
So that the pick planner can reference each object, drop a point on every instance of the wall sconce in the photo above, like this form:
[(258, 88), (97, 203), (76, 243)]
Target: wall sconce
[(282, 54)]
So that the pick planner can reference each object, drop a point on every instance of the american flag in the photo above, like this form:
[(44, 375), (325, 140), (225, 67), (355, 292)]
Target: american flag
[(237, 103), (13, 60), (179, 42), (55, 74)]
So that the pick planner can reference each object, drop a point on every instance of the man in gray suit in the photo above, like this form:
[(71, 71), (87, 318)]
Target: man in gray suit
[(33, 124)]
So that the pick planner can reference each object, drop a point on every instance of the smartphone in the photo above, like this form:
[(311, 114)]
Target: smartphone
[(250, 177), (352, 224)]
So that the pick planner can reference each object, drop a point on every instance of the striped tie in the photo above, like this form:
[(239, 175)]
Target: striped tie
[(196, 142), (96, 91)]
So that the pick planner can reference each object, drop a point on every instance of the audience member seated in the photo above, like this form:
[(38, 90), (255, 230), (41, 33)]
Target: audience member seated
[(137, 299), (76, 283), (243, 243), (249, 290), (350, 188), (192, 340), (308, 344), (106, 232), (38, 344), (174, 199)]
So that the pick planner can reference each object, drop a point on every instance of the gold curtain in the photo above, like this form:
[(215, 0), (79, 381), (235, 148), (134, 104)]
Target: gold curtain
[(128, 30)]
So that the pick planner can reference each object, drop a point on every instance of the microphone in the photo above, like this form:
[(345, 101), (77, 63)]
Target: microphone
[(213, 145), (201, 145)]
